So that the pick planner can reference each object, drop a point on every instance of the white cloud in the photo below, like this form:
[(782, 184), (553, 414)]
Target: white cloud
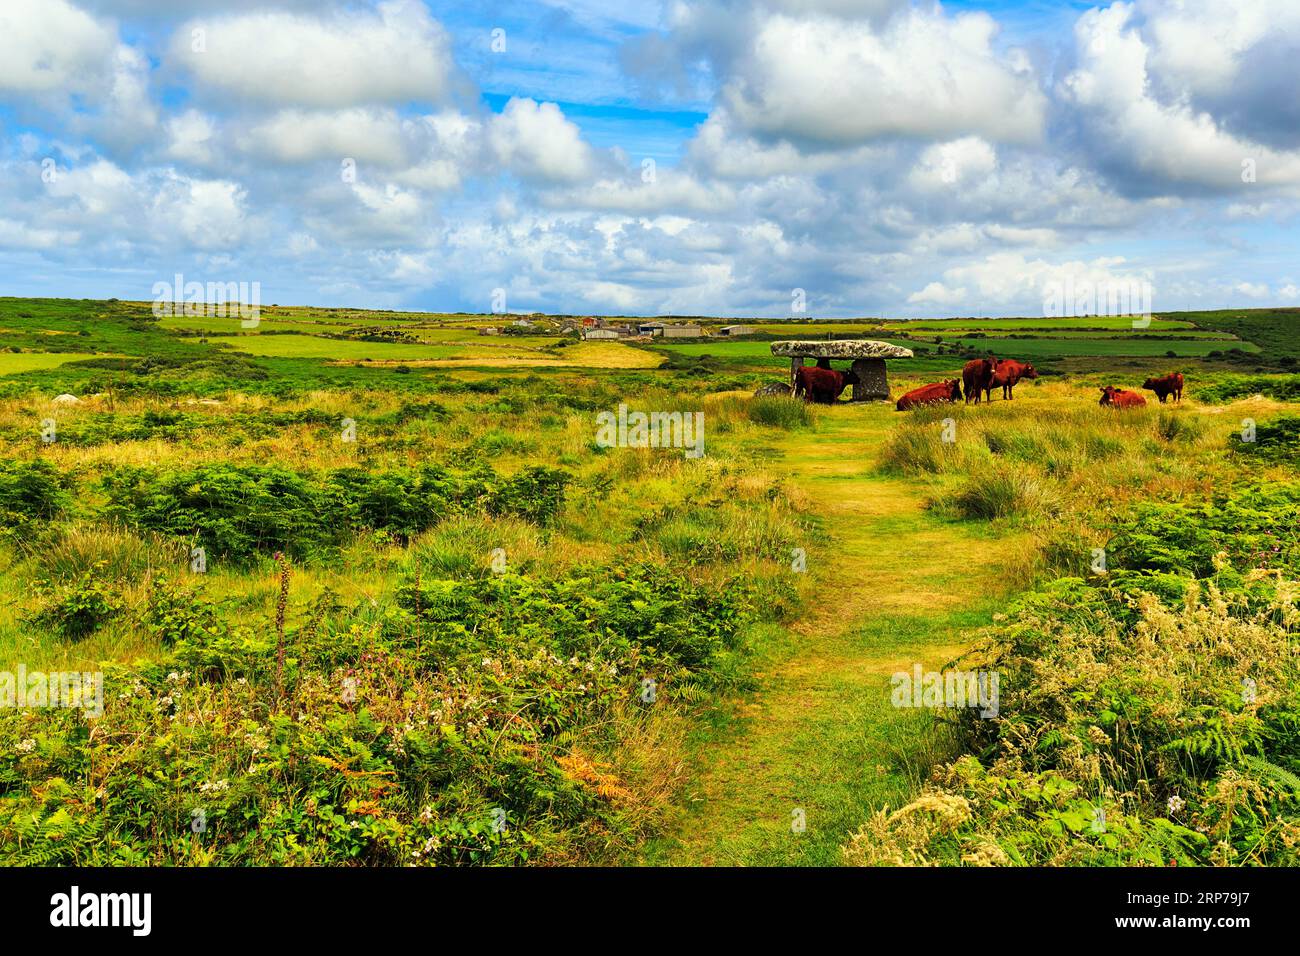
[(1167, 143), (823, 80), (1008, 281), (190, 137), (209, 213), (50, 46), (535, 140), (945, 165), (397, 54), (298, 136), (1252, 290)]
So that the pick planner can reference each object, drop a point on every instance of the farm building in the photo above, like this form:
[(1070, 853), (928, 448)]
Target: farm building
[(651, 328), (682, 332), (488, 330), (600, 334), (736, 330)]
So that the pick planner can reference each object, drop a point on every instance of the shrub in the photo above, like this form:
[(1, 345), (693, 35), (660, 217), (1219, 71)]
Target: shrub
[(1284, 388), (1277, 440), (30, 491), (239, 511), (535, 494), (78, 609), (1254, 527), (1128, 733)]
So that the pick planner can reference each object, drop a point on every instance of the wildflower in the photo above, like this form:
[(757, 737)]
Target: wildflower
[(1176, 804), (27, 746)]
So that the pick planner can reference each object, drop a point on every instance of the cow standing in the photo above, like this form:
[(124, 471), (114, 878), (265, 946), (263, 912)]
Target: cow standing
[(949, 391), (976, 376), (821, 385), (1007, 375), (1171, 384), (1121, 398)]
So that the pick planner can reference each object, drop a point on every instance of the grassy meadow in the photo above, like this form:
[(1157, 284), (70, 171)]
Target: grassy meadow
[(367, 589)]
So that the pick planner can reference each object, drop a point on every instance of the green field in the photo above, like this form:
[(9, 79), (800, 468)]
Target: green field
[(1005, 348), (13, 363), (422, 609)]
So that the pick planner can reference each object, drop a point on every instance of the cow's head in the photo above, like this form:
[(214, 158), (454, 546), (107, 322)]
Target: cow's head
[(1108, 395), (1149, 383), (954, 389), (1029, 372), (851, 377)]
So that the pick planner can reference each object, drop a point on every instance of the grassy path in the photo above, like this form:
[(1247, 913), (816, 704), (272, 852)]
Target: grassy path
[(894, 586)]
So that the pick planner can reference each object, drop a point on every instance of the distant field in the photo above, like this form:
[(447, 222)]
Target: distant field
[(1011, 348), (490, 352), (12, 363), (311, 346), (971, 325)]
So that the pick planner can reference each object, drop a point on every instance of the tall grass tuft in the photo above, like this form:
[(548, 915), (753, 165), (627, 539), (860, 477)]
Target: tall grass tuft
[(1002, 492), (69, 553), (778, 411)]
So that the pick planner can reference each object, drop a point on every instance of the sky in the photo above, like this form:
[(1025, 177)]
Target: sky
[(654, 157)]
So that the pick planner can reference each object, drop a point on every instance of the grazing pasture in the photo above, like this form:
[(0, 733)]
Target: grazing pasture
[(393, 601)]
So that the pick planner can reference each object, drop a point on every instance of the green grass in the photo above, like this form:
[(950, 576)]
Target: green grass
[(14, 363)]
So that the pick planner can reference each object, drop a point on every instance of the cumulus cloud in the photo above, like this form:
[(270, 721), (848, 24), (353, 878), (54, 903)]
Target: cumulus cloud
[(823, 80), (535, 141), (1142, 122), (297, 136), (52, 47), (396, 54), (190, 137), (1009, 281), (209, 213)]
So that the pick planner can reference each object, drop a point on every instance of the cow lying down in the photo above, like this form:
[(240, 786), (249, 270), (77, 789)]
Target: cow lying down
[(1121, 398), (949, 391)]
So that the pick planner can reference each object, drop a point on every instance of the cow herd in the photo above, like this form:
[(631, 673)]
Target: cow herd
[(979, 377)]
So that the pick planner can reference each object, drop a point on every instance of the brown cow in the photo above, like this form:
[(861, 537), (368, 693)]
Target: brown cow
[(1007, 375), (949, 391), (1171, 384), (821, 385), (1121, 398), (976, 375)]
